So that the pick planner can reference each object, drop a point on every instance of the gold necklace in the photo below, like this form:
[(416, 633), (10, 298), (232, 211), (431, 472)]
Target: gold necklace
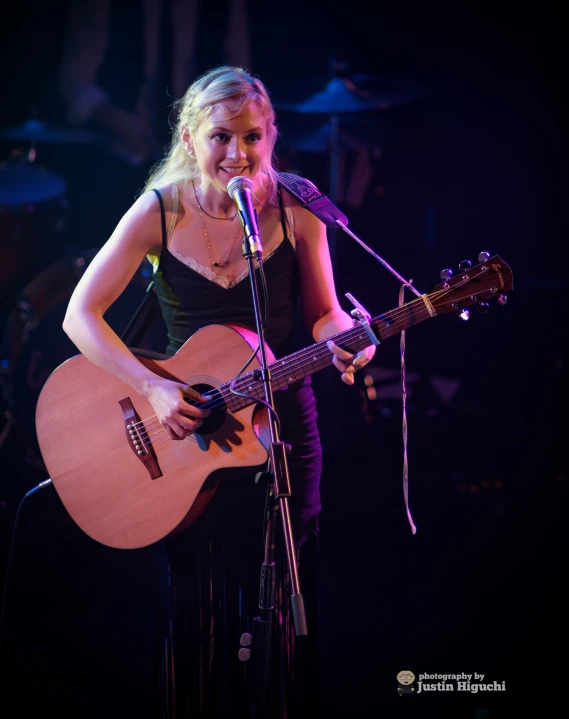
[(213, 217), (225, 262)]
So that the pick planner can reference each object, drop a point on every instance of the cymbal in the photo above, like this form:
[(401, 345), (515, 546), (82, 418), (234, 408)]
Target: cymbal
[(37, 131), (393, 89), (357, 94), (27, 184), (340, 95), (352, 134)]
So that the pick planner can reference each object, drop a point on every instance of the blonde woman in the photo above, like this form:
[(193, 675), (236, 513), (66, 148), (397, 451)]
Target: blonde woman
[(185, 222)]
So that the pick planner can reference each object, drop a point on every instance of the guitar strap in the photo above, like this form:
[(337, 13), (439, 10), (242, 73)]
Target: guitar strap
[(311, 199), (148, 313), (144, 320)]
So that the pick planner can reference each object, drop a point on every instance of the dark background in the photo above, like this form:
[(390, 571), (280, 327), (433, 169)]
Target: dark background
[(477, 162)]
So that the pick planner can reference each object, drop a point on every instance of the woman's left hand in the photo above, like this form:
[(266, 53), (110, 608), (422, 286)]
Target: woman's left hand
[(348, 363)]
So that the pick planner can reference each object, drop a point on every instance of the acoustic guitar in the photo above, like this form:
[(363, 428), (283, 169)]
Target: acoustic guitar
[(127, 484)]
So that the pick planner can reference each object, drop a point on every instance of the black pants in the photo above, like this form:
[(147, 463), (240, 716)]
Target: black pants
[(211, 596)]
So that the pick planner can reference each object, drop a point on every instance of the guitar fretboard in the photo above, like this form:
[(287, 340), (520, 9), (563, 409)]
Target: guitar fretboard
[(300, 364)]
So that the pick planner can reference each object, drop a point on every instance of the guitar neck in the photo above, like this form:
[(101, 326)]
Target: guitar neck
[(312, 359)]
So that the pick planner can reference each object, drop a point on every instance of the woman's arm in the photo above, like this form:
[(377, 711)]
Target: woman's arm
[(103, 282), (321, 309)]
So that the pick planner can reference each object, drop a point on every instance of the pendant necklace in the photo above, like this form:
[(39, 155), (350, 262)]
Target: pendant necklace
[(225, 262)]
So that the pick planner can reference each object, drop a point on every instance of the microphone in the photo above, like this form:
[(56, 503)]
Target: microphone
[(240, 189)]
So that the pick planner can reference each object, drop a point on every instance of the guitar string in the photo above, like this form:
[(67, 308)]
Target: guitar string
[(153, 431), (155, 427), (319, 353), (278, 373)]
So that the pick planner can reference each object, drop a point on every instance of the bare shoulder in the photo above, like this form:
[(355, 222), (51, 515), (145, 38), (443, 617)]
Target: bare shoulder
[(141, 225), (167, 193), (145, 208), (170, 197)]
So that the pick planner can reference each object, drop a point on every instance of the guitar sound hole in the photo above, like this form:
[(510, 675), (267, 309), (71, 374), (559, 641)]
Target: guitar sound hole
[(218, 409)]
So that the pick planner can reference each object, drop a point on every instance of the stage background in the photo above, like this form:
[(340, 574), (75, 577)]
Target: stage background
[(476, 162)]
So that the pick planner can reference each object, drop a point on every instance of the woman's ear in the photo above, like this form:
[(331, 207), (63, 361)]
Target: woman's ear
[(186, 140)]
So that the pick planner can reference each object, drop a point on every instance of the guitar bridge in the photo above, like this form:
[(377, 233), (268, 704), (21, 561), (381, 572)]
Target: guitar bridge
[(141, 446)]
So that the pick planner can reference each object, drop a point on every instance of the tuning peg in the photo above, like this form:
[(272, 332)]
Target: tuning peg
[(464, 315), (483, 307), (446, 274), (465, 265), (502, 299), (483, 256)]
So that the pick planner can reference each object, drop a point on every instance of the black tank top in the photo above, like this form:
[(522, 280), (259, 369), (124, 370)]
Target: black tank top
[(189, 301)]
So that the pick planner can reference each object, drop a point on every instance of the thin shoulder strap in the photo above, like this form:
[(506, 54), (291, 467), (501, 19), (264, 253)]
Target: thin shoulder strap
[(283, 216), (163, 216)]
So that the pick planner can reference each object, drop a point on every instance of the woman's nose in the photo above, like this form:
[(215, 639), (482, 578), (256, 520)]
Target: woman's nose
[(236, 148)]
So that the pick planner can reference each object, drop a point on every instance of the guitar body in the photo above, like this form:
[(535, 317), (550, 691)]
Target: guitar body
[(106, 488)]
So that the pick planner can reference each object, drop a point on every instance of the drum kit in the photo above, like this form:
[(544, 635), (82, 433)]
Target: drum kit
[(33, 199), (33, 218), (38, 273), (351, 116)]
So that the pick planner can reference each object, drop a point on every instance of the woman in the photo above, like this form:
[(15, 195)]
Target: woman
[(186, 223)]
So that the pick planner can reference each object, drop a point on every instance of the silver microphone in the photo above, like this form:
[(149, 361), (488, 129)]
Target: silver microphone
[(240, 189)]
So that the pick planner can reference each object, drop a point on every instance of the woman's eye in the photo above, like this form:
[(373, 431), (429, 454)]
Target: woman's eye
[(223, 137)]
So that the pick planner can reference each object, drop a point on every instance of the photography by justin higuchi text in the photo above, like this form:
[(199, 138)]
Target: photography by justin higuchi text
[(409, 683)]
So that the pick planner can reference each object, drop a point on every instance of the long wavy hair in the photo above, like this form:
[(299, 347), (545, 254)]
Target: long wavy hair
[(232, 87)]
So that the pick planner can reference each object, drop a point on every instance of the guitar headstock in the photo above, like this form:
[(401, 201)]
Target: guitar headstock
[(490, 279)]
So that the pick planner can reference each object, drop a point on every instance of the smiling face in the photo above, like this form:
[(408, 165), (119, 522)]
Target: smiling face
[(226, 145), (406, 677)]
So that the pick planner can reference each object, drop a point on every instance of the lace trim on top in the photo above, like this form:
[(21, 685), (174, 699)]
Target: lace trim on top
[(208, 273)]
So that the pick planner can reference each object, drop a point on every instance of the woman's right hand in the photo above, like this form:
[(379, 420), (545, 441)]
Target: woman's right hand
[(179, 418)]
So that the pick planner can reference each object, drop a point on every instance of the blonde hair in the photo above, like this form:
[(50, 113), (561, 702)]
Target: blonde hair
[(232, 87)]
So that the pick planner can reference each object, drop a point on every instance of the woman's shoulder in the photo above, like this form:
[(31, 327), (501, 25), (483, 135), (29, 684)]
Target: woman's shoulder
[(169, 194), (167, 197), (142, 221)]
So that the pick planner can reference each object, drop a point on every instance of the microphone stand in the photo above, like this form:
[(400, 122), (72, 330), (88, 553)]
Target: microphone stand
[(278, 493)]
